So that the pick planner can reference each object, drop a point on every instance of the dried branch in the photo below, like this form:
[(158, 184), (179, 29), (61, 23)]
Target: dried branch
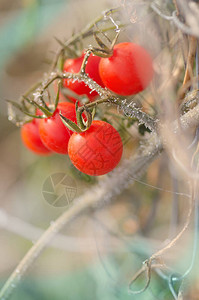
[(189, 65)]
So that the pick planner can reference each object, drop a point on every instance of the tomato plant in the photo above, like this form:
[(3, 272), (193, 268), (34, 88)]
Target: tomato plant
[(31, 138), (96, 151), (73, 65), (53, 133), (128, 71)]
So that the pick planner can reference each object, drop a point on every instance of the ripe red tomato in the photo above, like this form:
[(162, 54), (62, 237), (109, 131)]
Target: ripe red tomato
[(96, 151), (31, 139), (54, 134), (128, 71), (73, 65)]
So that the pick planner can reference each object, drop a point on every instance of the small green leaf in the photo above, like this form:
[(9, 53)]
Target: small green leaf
[(93, 111), (20, 108), (15, 104), (24, 105), (100, 43), (101, 53), (70, 124), (59, 42), (70, 51), (61, 60), (47, 112)]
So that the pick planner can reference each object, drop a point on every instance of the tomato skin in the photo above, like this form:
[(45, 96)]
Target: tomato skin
[(53, 133), (73, 65), (96, 151), (128, 71), (31, 138)]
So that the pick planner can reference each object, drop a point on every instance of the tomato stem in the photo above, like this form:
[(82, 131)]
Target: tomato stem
[(80, 122), (57, 96), (84, 62)]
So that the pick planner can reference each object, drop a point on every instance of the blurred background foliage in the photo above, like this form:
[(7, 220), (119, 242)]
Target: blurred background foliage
[(99, 267)]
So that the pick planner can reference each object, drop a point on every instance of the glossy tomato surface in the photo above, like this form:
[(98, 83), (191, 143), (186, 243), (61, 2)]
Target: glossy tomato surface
[(54, 134), (92, 69), (128, 71), (31, 138), (96, 151)]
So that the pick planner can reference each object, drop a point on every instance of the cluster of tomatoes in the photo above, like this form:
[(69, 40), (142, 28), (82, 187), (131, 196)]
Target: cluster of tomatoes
[(97, 150)]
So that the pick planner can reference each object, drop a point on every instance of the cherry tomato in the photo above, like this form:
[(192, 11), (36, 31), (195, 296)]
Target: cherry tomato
[(54, 134), (31, 139), (96, 151), (73, 65), (128, 71)]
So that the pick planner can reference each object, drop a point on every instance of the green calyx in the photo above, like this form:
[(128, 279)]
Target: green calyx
[(81, 125), (104, 51)]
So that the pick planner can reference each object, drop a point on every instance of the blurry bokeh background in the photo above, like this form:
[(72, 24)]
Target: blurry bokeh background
[(84, 262)]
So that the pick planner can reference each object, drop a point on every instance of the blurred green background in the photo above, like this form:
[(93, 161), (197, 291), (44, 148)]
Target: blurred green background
[(84, 267)]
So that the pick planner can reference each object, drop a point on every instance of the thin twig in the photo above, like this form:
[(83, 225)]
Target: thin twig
[(189, 65), (190, 59), (145, 269), (176, 6), (178, 236)]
